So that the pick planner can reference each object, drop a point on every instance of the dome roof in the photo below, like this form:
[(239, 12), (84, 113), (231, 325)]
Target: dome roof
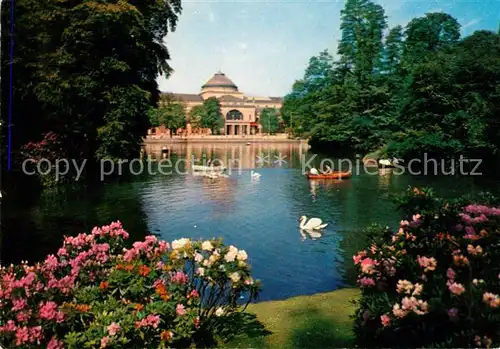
[(220, 80)]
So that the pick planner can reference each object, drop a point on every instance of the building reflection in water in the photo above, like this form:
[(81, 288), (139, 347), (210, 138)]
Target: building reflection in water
[(234, 155)]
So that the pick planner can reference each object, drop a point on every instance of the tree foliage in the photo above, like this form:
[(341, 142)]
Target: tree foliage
[(86, 70), (212, 117), (269, 120), (420, 89), (170, 113)]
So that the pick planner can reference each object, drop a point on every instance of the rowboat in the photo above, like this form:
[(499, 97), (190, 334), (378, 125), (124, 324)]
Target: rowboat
[(209, 168), (333, 175)]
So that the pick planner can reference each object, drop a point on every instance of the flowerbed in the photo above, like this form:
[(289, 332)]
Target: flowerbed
[(436, 281), (96, 294)]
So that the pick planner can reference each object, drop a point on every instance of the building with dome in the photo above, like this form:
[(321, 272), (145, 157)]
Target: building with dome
[(241, 113)]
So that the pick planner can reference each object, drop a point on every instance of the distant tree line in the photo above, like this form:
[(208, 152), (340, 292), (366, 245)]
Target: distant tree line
[(420, 88)]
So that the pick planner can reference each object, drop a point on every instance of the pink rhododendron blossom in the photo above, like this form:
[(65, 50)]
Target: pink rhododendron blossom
[(456, 288), (368, 265), (23, 316), (193, 294), (398, 312), (357, 258), (385, 320), (180, 309), (450, 274), (429, 264), (474, 250), (491, 299), (113, 329), (150, 320), (179, 278), (366, 282), (48, 311), (105, 341), (51, 263), (19, 304)]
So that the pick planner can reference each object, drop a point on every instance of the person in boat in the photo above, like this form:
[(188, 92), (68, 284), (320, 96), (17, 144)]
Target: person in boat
[(314, 171)]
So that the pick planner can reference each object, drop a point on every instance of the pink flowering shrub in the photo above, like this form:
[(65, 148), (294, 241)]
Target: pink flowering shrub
[(50, 148), (97, 294), (435, 282)]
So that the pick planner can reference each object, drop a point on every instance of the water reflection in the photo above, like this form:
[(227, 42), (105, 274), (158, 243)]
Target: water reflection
[(236, 156), (258, 215), (313, 235)]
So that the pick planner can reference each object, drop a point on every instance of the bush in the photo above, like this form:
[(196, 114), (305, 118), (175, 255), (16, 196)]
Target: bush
[(434, 282), (97, 294)]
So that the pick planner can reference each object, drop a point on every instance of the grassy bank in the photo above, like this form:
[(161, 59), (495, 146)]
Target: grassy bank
[(317, 321)]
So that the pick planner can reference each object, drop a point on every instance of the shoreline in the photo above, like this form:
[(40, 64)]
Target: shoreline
[(223, 139)]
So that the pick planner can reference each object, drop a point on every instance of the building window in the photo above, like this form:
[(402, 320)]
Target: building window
[(234, 115)]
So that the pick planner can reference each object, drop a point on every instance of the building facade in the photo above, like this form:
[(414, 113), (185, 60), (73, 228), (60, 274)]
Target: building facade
[(241, 113)]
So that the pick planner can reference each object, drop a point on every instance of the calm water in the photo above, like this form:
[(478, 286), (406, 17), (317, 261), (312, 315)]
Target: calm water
[(258, 216)]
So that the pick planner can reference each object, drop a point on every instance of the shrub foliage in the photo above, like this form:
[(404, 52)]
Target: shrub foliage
[(96, 294), (435, 282)]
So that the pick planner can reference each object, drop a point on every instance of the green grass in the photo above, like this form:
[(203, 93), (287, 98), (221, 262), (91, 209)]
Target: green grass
[(317, 321)]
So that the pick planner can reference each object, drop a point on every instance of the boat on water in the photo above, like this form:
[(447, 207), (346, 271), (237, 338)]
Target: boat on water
[(332, 175), (209, 168)]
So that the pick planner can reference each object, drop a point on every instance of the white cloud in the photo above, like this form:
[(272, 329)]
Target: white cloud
[(471, 23), (243, 45)]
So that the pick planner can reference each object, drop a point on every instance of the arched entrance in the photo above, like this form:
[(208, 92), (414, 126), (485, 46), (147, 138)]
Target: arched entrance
[(234, 115)]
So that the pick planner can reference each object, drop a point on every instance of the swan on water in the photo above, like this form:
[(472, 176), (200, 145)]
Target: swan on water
[(312, 224), (254, 174)]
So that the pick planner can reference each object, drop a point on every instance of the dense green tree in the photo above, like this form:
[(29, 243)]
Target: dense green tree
[(453, 101), (195, 115), (298, 104), (393, 50), (360, 48), (424, 91), (427, 35), (87, 71), (212, 117), (170, 113), (269, 119)]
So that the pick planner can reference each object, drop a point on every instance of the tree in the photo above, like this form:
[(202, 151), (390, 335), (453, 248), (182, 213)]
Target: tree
[(362, 26), (212, 117), (305, 92), (269, 120), (393, 51), (195, 116), (429, 34), (87, 71), (171, 113)]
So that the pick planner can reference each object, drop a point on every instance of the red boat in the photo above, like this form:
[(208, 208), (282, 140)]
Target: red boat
[(333, 175)]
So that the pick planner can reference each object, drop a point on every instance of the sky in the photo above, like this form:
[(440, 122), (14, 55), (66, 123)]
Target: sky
[(263, 46)]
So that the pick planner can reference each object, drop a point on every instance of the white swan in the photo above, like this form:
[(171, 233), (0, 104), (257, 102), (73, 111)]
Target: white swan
[(312, 224), (254, 174)]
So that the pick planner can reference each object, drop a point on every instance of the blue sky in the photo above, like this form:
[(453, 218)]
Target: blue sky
[(264, 46)]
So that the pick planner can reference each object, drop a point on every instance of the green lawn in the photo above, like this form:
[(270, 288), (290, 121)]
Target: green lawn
[(318, 321)]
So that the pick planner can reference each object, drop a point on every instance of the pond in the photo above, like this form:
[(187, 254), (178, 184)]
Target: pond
[(259, 216)]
